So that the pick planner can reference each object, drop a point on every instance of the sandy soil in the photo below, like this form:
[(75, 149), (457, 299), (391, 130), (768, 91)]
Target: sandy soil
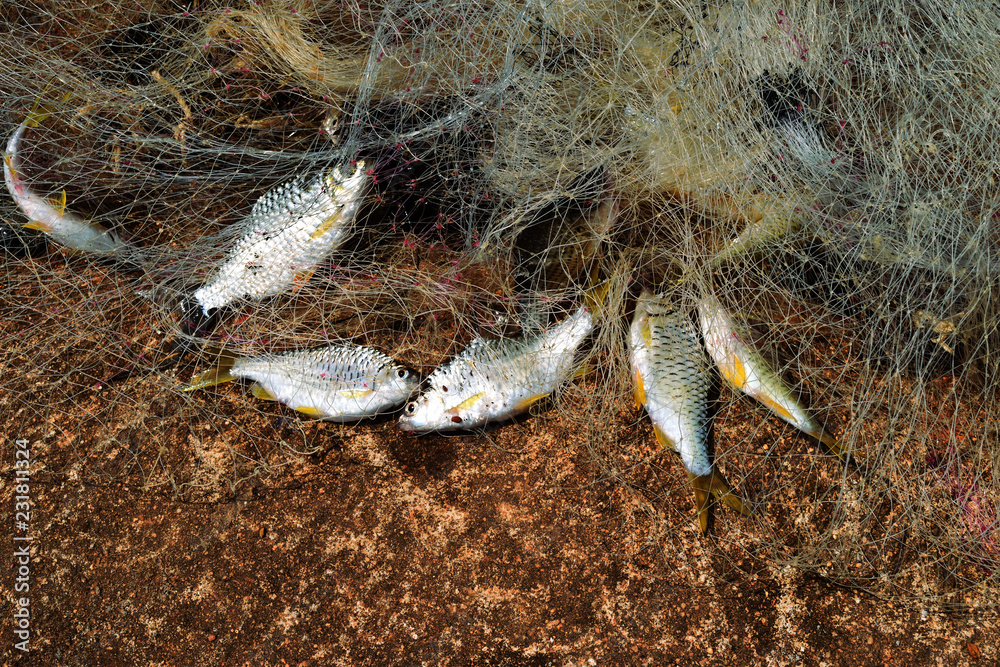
[(165, 534)]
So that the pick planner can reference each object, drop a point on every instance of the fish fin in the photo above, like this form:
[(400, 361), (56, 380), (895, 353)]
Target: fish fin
[(716, 485), (583, 370), (662, 438), (218, 374), (836, 447), (40, 110), (356, 393), (470, 401), (647, 332), (209, 378), (639, 392), (596, 295), (326, 225), (525, 403), (9, 161), (258, 391), (59, 203), (701, 506), (777, 409), (310, 411), (38, 226), (736, 374), (301, 278)]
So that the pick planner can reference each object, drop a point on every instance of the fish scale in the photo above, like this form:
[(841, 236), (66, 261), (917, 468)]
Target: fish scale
[(676, 381), (493, 380), (51, 216), (744, 369), (290, 230), (672, 382), (342, 382)]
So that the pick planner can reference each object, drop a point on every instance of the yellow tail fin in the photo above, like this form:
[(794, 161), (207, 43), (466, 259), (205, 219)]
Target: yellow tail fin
[(596, 295), (595, 298), (714, 484), (40, 110), (218, 374), (834, 446)]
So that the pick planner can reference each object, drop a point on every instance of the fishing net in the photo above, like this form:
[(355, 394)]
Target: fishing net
[(827, 171)]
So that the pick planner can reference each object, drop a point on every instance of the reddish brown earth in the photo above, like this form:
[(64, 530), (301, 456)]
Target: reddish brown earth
[(385, 550), (176, 529), (208, 529)]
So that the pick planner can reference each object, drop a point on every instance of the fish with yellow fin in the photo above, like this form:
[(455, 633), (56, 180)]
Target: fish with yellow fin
[(493, 380), (744, 369), (50, 215), (672, 380), (342, 382), (289, 231)]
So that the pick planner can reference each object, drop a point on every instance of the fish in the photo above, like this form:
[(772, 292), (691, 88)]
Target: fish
[(50, 215), (342, 382), (497, 379), (290, 230), (743, 368), (672, 380)]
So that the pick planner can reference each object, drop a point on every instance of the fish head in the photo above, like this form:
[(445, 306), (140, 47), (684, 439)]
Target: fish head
[(423, 414), (441, 409), (195, 317), (349, 186), (205, 298), (397, 383)]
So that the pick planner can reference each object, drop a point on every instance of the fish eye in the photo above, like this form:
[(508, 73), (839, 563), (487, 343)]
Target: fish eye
[(411, 407), (402, 373)]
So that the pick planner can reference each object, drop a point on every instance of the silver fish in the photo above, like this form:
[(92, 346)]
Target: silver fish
[(672, 382), (51, 216), (493, 380), (745, 370), (290, 230), (343, 382)]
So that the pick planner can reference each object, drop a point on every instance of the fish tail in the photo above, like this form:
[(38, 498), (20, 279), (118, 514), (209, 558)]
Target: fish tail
[(701, 505), (842, 452), (714, 484), (595, 296), (755, 236), (40, 110), (218, 374)]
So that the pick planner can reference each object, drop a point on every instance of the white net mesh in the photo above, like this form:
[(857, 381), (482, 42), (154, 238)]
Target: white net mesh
[(829, 172)]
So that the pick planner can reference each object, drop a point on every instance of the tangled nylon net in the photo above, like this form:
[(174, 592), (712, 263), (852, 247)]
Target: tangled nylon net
[(828, 171)]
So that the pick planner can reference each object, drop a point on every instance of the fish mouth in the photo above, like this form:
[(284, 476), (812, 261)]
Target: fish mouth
[(195, 321), (415, 430)]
